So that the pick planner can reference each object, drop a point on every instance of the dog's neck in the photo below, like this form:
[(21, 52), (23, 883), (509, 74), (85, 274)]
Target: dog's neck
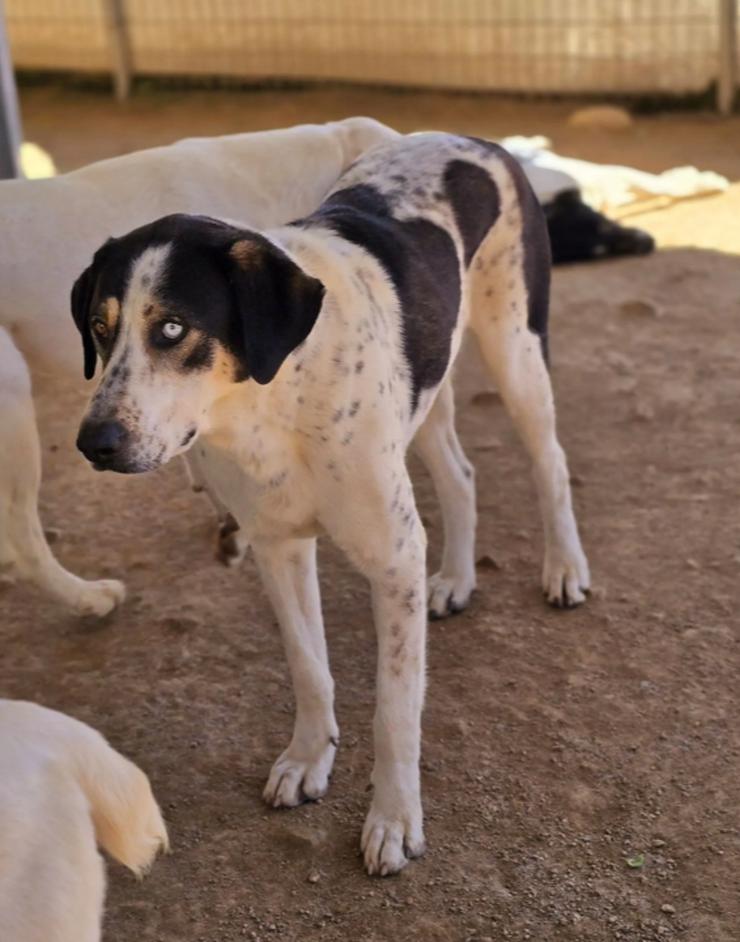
[(254, 422)]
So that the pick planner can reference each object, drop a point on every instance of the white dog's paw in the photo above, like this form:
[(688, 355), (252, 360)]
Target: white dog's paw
[(566, 579), (390, 841), (99, 598), (448, 596), (294, 780)]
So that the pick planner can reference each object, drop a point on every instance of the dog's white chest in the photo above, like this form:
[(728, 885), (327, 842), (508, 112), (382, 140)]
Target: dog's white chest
[(267, 493)]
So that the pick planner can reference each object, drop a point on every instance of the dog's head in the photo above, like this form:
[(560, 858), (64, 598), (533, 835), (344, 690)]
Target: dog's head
[(579, 233), (177, 311)]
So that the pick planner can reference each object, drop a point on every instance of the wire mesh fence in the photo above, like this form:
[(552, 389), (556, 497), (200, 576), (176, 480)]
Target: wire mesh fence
[(553, 46)]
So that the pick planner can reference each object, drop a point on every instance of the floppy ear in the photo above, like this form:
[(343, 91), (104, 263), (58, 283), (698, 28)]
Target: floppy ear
[(82, 293), (276, 302)]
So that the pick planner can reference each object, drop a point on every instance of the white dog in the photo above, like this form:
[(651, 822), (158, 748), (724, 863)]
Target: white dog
[(299, 364), (62, 790), (50, 229)]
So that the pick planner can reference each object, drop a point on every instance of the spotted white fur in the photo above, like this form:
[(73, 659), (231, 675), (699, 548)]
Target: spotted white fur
[(322, 449)]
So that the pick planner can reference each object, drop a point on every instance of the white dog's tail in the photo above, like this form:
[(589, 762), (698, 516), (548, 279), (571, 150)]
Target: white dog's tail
[(128, 823)]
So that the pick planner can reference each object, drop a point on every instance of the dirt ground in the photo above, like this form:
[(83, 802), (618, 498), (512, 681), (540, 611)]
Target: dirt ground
[(557, 746)]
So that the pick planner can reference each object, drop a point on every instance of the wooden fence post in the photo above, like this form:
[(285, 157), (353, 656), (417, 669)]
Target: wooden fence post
[(115, 24), (727, 73)]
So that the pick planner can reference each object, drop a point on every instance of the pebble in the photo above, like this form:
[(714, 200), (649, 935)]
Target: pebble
[(667, 908), (313, 876), (487, 562), (639, 308), (644, 412)]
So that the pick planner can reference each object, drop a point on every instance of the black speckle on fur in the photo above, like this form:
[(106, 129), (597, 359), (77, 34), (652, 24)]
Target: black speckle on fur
[(420, 259), (475, 201)]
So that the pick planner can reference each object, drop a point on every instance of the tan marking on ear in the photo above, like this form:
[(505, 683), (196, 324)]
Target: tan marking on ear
[(245, 253)]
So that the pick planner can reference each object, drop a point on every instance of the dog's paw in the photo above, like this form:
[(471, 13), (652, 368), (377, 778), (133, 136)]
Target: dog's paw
[(294, 780), (231, 544), (566, 580), (99, 598), (448, 596), (390, 841)]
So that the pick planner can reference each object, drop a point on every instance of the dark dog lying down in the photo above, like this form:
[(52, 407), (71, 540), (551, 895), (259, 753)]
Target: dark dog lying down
[(579, 233)]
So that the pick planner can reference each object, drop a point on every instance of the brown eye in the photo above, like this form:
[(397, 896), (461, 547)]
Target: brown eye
[(100, 328)]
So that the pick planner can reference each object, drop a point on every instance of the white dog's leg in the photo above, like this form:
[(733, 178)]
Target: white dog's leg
[(23, 547), (439, 448), (288, 569), (514, 355), (384, 537)]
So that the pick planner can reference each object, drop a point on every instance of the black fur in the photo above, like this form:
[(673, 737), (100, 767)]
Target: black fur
[(81, 301), (201, 356), (259, 311), (421, 261), (579, 233), (475, 201)]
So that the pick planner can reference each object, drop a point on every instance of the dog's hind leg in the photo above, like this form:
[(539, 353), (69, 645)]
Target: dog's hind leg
[(288, 570), (439, 448), (509, 297), (24, 551)]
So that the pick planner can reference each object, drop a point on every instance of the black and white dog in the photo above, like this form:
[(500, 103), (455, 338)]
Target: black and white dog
[(299, 364)]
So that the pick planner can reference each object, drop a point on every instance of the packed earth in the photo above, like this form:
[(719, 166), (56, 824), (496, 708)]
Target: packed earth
[(581, 770)]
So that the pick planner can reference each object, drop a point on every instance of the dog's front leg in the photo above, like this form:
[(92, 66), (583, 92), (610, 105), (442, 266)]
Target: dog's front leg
[(384, 536), (288, 569)]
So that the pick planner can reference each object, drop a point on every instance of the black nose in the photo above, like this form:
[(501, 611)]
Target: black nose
[(101, 442)]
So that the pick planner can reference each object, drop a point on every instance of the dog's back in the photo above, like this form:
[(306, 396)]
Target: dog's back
[(450, 220), (62, 790)]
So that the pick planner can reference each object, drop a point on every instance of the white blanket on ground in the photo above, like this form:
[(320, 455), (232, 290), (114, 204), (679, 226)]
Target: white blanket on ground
[(605, 186)]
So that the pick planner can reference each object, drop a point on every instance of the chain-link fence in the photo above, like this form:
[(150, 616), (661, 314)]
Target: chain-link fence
[(554, 46)]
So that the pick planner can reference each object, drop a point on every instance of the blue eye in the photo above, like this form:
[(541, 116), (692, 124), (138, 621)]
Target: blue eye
[(172, 331)]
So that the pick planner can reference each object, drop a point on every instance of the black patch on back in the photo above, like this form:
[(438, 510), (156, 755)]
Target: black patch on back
[(421, 261), (536, 241), (475, 201)]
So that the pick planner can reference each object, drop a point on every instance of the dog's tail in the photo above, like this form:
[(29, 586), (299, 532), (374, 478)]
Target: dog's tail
[(128, 823)]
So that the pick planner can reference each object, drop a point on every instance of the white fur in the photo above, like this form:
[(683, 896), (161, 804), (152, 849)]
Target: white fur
[(50, 230), (63, 790)]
